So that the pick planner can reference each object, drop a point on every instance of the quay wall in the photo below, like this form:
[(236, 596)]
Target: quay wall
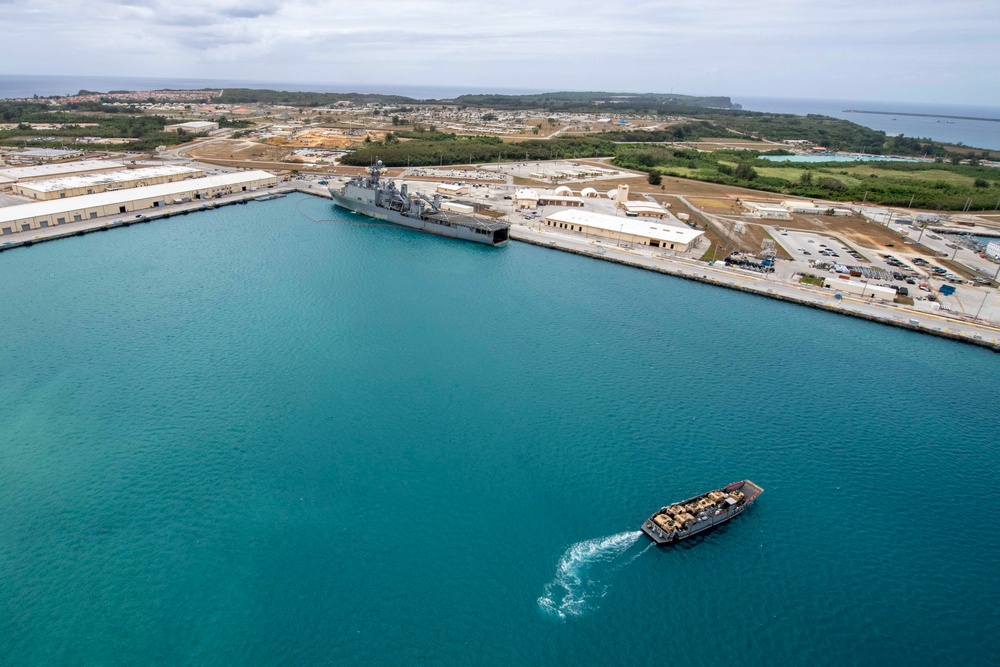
[(804, 300)]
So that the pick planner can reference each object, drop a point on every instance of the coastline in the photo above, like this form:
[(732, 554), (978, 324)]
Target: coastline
[(969, 333), (729, 278)]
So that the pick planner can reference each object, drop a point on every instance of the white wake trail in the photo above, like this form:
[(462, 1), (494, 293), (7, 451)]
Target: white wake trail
[(578, 581)]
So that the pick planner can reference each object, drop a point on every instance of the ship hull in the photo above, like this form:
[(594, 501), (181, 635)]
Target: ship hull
[(430, 225), (659, 536)]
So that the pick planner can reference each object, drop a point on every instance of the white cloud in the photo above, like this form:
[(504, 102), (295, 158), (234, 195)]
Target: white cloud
[(855, 48)]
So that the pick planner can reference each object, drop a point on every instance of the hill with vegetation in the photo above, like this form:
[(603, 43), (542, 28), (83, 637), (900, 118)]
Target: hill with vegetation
[(594, 101), (939, 185), (303, 99), (87, 119)]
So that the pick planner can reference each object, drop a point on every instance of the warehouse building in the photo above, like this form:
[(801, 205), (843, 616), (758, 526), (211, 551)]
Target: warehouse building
[(525, 198), (9, 175), (192, 127), (74, 186), (559, 200), (807, 207), (45, 154), (769, 211), (625, 229), (37, 215), (644, 209), (453, 189)]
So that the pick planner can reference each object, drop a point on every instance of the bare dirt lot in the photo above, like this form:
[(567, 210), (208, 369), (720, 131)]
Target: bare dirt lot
[(856, 229), (236, 149), (714, 144), (324, 138)]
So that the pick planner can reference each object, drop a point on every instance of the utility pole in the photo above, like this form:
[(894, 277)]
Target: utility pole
[(981, 305), (914, 195)]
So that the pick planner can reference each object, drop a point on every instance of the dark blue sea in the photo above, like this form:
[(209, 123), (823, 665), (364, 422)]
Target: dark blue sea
[(244, 437)]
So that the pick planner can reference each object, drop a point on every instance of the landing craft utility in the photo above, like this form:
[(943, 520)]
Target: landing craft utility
[(692, 516), (380, 199)]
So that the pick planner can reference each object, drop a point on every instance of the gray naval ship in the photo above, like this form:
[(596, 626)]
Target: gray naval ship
[(381, 199), (690, 517)]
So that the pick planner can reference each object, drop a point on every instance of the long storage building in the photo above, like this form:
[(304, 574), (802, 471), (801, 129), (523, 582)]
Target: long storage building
[(9, 175), (626, 229), (25, 217), (74, 186)]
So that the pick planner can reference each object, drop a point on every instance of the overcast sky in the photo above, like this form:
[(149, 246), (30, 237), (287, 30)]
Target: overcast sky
[(907, 50)]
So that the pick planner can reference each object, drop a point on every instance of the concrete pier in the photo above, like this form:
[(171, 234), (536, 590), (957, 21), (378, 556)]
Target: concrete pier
[(35, 236)]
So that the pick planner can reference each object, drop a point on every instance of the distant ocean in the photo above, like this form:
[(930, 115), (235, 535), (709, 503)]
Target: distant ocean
[(980, 134), (27, 86)]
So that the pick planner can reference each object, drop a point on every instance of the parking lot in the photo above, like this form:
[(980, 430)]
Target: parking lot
[(805, 246)]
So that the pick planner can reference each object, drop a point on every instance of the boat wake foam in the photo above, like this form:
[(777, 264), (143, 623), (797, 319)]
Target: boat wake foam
[(582, 572)]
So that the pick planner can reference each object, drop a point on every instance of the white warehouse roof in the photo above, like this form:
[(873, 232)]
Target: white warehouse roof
[(72, 182), (626, 225), (643, 206), (196, 125), (48, 170), (55, 206)]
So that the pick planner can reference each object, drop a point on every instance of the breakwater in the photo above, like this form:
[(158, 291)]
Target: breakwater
[(922, 115)]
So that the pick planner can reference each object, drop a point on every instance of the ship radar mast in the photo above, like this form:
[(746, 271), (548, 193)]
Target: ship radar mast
[(376, 169)]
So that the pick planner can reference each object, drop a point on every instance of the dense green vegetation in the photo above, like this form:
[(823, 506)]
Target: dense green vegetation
[(681, 132), (832, 133), (422, 147), (106, 124), (616, 103), (302, 99), (559, 101), (932, 185), (451, 149)]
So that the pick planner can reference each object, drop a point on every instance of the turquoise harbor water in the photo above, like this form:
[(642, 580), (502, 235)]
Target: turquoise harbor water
[(241, 437)]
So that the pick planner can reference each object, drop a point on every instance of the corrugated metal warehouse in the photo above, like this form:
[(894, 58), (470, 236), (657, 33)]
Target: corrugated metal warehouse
[(40, 172), (194, 126), (74, 186), (25, 217), (626, 230)]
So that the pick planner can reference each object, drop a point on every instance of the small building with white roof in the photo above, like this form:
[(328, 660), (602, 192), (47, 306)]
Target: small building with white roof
[(525, 198), (454, 189), (762, 210), (194, 126)]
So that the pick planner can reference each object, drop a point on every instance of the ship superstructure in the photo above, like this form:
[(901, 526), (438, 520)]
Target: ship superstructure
[(380, 198)]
